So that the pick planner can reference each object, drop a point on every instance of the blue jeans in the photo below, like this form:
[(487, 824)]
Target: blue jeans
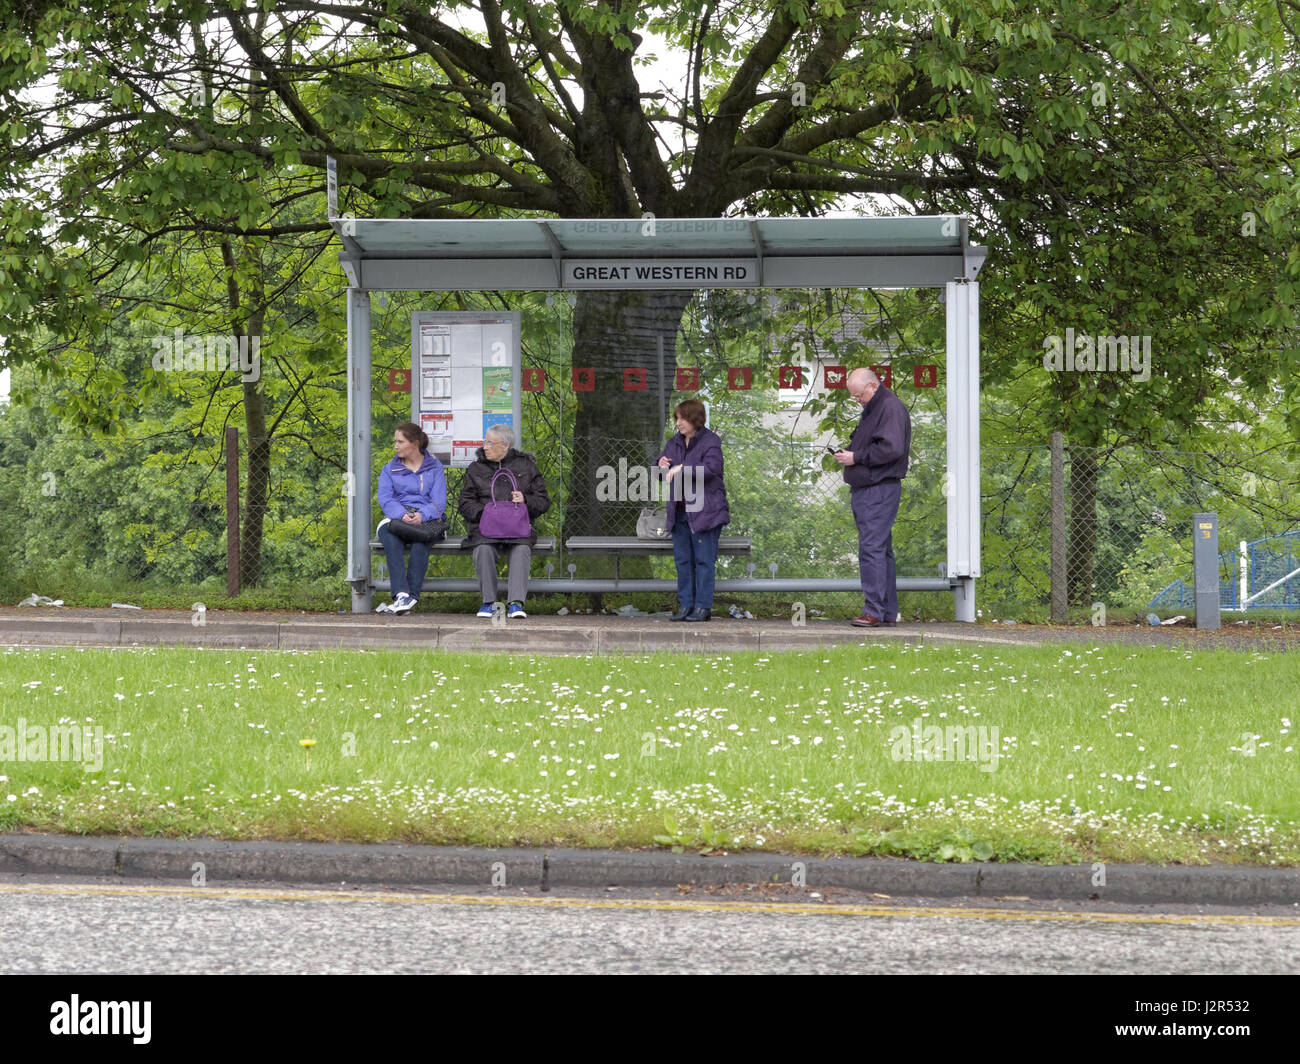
[(398, 576), (696, 554)]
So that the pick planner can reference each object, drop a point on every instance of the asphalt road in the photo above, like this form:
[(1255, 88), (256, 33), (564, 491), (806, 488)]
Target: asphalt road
[(106, 927)]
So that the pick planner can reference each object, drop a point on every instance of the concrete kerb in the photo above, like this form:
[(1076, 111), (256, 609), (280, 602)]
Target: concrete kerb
[(312, 863), (544, 634)]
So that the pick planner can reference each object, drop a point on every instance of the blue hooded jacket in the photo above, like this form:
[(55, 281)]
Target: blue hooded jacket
[(426, 489)]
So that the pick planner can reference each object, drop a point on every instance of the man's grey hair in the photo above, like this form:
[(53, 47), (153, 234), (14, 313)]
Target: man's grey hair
[(504, 433)]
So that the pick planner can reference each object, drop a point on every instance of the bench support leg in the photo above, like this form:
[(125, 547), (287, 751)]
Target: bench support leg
[(361, 599), (964, 599)]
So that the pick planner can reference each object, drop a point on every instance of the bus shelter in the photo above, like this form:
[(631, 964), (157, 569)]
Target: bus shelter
[(563, 255)]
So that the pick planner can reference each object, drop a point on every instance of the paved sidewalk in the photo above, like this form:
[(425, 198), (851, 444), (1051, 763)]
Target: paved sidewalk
[(543, 634), (391, 864)]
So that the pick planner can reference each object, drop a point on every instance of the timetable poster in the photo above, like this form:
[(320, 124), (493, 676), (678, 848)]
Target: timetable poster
[(467, 368), (434, 376)]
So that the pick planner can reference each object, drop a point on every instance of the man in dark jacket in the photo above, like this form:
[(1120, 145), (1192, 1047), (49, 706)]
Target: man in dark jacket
[(475, 493), (875, 463)]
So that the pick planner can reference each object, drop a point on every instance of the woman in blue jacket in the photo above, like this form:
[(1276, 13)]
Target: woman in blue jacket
[(412, 488), (697, 508)]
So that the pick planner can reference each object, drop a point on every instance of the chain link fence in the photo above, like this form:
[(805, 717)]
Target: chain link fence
[(138, 514), (1117, 530)]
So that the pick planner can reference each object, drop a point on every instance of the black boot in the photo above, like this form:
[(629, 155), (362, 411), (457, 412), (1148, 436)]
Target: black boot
[(682, 615), (699, 614)]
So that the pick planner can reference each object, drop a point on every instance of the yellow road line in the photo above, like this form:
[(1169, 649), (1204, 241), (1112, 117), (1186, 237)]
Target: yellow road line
[(677, 905)]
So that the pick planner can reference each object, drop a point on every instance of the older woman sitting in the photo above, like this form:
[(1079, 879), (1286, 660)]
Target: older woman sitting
[(496, 454)]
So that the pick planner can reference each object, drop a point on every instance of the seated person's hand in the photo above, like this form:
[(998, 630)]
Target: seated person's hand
[(516, 496), (413, 518)]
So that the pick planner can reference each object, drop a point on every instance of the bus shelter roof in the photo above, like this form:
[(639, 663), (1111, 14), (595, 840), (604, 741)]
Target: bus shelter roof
[(517, 254)]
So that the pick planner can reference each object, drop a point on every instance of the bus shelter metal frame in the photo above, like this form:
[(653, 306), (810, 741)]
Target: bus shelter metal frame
[(507, 255)]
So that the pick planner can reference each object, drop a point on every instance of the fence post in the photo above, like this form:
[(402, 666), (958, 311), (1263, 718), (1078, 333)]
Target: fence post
[(1058, 557), (232, 511), (1245, 577)]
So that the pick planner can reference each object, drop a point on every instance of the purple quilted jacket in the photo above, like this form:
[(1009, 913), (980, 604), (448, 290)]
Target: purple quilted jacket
[(705, 495)]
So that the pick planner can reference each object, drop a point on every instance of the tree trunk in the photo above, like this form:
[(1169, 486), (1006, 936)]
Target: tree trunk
[(1084, 470), (614, 332), (256, 485)]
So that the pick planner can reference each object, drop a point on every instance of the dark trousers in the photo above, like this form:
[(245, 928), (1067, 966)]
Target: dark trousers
[(696, 555), (401, 578), (874, 510)]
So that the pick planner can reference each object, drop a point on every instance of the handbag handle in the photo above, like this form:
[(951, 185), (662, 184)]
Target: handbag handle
[(493, 486)]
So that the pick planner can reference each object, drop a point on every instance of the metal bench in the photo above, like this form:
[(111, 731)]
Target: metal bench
[(630, 546), (619, 546), (633, 546)]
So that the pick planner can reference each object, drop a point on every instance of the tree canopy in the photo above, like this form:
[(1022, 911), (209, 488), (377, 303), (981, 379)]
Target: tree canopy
[(1131, 164)]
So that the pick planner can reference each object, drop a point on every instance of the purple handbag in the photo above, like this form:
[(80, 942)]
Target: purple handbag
[(504, 520)]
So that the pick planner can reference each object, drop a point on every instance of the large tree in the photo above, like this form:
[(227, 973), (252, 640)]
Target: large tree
[(1110, 151)]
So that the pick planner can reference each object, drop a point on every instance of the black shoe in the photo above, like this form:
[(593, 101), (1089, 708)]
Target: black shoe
[(682, 615), (698, 614)]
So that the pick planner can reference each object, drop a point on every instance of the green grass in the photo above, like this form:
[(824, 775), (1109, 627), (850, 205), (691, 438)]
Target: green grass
[(1113, 754)]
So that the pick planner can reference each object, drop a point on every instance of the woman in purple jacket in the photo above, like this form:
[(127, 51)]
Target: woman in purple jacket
[(697, 508), (412, 488)]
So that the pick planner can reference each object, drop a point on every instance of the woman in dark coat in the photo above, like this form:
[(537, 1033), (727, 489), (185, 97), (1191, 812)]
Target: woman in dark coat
[(697, 508), (498, 453)]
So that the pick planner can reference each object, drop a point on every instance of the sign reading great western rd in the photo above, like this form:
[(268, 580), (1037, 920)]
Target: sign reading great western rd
[(661, 273)]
